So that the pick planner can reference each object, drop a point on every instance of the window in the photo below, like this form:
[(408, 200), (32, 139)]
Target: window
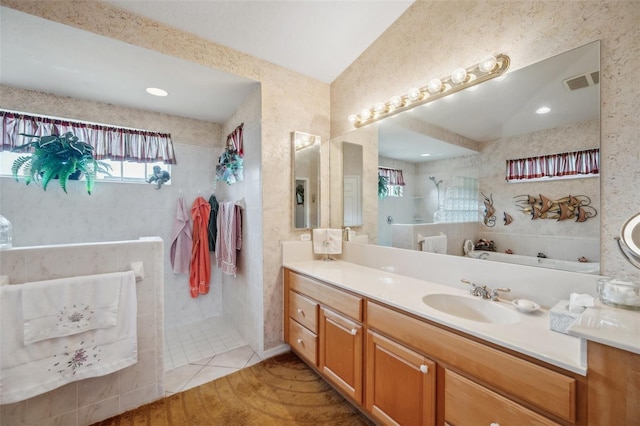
[(131, 153), (566, 165), (394, 182)]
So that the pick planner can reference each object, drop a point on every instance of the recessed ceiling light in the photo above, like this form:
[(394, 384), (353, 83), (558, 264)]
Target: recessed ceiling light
[(156, 92), (425, 155), (543, 110)]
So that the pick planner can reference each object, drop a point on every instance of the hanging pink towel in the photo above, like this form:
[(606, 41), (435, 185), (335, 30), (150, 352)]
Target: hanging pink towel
[(180, 252), (229, 237), (200, 274)]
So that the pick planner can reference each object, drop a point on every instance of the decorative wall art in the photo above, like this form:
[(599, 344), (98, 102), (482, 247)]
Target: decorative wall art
[(569, 207), (489, 218), (230, 163)]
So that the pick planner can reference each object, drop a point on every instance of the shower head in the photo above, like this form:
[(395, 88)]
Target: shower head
[(433, 178)]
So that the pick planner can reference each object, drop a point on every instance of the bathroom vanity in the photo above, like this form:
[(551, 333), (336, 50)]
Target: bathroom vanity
[(406, 368), (372, 336)]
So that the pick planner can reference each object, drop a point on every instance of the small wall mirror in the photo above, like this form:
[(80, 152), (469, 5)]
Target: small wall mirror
[(306, 180), (629, 240), (352, 184)]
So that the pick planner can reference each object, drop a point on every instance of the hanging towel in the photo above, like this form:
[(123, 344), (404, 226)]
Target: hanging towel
[(180, 252), (67, 306), (200, 274), (230, 238), (435, 244), (213, 222), (327, 241), (36, 368)]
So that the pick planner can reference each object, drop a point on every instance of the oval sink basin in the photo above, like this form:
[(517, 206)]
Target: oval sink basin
[(471, 309)]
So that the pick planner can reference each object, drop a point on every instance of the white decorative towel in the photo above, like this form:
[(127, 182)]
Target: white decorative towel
[(61, 307), (436, 244), (36, 368), (327, 241)]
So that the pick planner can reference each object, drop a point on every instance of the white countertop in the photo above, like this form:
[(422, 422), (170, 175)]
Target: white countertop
[(610, 326), (530, 335)]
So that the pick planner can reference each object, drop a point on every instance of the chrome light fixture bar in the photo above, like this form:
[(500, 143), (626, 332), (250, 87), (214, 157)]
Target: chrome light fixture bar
[(460, 79)]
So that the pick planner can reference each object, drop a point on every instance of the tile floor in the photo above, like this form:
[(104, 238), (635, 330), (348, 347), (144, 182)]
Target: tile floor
[(199, 353)]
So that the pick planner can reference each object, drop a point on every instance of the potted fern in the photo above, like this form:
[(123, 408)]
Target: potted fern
[(61, 157)]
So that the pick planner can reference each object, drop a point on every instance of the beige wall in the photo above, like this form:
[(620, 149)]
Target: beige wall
[(434, 37)]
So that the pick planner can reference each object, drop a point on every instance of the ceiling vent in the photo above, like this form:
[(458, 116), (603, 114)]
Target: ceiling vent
[(582, 80)]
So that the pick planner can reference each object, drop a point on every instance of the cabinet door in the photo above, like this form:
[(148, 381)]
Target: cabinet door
[(469, 404), (400, 383), (340, 357)]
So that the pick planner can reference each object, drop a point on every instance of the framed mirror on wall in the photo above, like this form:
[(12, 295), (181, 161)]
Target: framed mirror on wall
[(305, 188), (469, 137)]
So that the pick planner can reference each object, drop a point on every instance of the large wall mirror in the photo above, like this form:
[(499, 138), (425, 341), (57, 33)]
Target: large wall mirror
[(306, 180), (453, 153)]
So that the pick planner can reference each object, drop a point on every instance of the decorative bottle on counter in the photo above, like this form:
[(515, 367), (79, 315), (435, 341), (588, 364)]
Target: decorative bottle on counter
[(5, 233)]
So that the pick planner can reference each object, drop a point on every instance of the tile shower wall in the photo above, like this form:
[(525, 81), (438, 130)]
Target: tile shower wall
[(119, 211), (87, 401)]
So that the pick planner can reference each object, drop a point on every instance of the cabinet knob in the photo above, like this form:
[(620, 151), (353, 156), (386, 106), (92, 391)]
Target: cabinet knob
[(353, 332), (300, 341), (424, 369), (300, 311)]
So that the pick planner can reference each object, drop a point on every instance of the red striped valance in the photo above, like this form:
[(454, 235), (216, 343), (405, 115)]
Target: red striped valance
[(109, 143), (394, 176), (567, 164)]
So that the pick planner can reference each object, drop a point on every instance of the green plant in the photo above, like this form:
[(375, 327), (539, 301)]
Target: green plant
[(383, 189), (57, 156)]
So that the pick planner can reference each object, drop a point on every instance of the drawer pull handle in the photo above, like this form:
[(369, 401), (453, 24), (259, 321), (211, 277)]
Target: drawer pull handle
[(353, 332), (424, 369), (301, 312), (494, 424), (300, 342)]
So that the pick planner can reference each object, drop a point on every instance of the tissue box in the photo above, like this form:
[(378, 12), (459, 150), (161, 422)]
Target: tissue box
[(560, 317)]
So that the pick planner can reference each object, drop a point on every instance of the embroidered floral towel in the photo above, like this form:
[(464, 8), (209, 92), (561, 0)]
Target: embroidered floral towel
[(36, 368), (66, 306)]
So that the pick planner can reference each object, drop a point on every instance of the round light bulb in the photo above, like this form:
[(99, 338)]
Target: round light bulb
[(380, 107), (414, 94), (396, 101), (488, 64), (434, 86), (365, 114), (353, 119), (459, 75)]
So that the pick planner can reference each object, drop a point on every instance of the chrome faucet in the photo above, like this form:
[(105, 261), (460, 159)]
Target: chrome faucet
[(483, 291)]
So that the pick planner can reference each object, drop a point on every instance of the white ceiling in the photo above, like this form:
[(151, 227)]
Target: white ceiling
[(319, 38)]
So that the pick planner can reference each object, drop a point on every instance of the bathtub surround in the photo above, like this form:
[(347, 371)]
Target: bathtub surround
[(90, 400)]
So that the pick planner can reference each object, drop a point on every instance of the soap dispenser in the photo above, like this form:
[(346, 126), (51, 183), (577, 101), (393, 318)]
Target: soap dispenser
[(5, 233)]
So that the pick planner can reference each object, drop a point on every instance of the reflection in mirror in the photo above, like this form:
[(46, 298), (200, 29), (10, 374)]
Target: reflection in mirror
[(306, 180), (352, 184), (453, 154)]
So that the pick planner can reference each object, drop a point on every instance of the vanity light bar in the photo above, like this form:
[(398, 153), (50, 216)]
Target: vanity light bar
[(460, 79)]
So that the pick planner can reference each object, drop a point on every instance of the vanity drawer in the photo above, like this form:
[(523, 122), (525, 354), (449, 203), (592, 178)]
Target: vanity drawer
[(467, 403), (343, 302), (544, 388), (303, 310), (304, 342)]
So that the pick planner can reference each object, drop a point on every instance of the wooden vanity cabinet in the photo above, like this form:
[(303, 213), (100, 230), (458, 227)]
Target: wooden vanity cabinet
[(405, 370), (400, 383), (340, 357), (324, 326)]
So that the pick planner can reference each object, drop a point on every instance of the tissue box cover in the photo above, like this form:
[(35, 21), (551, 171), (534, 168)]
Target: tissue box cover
[(560, 317)]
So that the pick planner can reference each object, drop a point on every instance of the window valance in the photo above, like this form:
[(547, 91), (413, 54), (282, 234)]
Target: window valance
[(109, 143), (393, 176), (574, 164)]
